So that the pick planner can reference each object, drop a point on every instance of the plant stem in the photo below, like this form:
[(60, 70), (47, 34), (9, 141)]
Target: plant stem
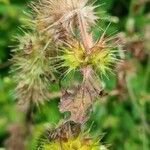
[(87, 43), (147, 74), (85, 37)]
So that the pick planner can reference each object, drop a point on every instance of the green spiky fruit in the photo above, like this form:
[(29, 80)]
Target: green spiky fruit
[(75, 57), (69, 136), (78, 143), (72, 57)]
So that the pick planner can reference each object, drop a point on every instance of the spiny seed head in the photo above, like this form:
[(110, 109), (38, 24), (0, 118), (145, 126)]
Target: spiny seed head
[(78, 143), (72, 57), (100, 58), (57, 15), (103, 60), (31, 69), (69, 136)]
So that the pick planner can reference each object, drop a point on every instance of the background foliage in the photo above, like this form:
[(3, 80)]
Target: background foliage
[(123, 122)]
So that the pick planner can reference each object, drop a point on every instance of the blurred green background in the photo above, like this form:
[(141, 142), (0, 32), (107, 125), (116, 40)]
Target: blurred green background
[(122, 120)]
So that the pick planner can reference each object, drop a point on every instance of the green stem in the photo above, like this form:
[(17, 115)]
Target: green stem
[(131, 13), (147, 74)]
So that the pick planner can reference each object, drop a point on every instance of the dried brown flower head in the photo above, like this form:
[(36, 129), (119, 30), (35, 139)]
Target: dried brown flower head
[(57, 17)]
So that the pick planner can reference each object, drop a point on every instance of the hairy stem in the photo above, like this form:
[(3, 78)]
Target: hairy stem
[(85, 37), (87, 43)]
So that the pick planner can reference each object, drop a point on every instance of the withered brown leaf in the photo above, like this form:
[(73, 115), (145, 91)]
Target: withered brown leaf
[(81, 99)]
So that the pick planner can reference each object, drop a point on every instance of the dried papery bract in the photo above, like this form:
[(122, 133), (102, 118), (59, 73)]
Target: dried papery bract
[(31, 69), (59, 17)]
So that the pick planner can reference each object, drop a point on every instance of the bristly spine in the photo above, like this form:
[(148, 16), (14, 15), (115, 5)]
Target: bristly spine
[(31, 69)]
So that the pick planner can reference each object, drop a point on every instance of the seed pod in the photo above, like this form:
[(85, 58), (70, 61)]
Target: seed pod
[(59, 17), (74, 139), (31, 69)]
